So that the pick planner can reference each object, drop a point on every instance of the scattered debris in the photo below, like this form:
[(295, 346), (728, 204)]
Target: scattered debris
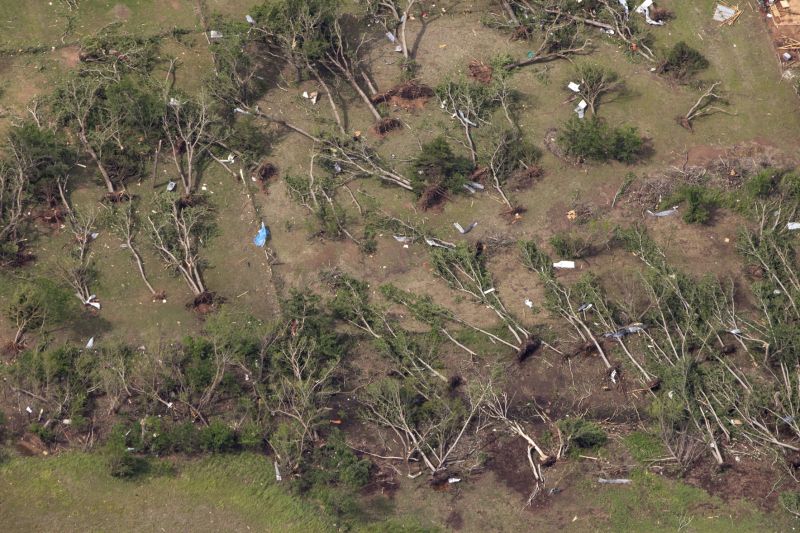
[(439, 243), (403, 238), (250, 20), (214, 34), (454, 480), (391, 37), (585, 307), (613, 481), (644, 9), (171, 186), (574, 87), (564, 264), (791, 226), (528, 302), (620, 333), (261, 237), (464, 231), (665, 213), (581, 108), (90, 344), (277, 472)]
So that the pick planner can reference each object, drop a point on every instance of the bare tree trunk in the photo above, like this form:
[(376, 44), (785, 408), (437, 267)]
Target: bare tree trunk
[(103, 172)]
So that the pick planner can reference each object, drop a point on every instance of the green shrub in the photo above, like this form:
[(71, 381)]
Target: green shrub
[(682, 62), (217, 437), (762, 184), (570, 246), (791, 502), (121, 462), (582, 433), (437, 165), (593, 139)]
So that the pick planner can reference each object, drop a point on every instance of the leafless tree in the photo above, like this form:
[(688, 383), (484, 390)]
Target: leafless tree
[(703, 107), (394, 15), (188, 127), (177, 232), (125, 224), (345, 59)]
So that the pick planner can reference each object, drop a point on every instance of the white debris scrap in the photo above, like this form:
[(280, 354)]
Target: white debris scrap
[(214, 34), (277, 472), (250, 20), (574, 87), (528, 303), (464, 231), (439, 244), (644, 9), (564, 264), (791, 226), (391, 37), (403, 238), (90, 344), (665, 213)]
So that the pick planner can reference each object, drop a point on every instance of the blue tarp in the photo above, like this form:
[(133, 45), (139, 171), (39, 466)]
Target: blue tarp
[(261, 237)]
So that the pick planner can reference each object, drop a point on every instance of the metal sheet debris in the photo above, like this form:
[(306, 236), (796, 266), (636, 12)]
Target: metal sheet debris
[(574, 87), (722, 13), (464, 231), (665, 213), (564, 264), (791, 226)]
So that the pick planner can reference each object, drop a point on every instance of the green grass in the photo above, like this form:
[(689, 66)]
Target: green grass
[(74, 492), (652, 503)]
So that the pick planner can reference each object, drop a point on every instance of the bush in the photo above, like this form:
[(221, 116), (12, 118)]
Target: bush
[(121, 462), (682, 62), (569, 246), (791, 502), (593, 139), (582, 433), (700, 203), (762, 184), (437, 165), (217, 438)]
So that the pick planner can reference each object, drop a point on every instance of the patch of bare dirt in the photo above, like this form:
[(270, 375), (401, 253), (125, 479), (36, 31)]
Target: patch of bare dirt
[(70, 55), (121, 12), (747, 479)]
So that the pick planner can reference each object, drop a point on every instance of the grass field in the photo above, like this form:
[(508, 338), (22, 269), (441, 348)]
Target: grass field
[(73, 491)]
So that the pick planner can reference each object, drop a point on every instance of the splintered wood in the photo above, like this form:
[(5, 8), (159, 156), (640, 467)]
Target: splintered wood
[(731, 13), (783, 14), (787, 43)]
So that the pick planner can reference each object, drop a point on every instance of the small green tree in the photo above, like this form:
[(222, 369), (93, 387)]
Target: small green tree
[(35, 303), (593, 139), (682, 62)]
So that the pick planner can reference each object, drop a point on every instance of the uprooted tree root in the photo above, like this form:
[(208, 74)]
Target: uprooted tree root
[(264, 172), (480, 71), (513, 215), (205, 303), (524, 178), (530, 347), (386, 125), (409, 95), (432, 197)]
